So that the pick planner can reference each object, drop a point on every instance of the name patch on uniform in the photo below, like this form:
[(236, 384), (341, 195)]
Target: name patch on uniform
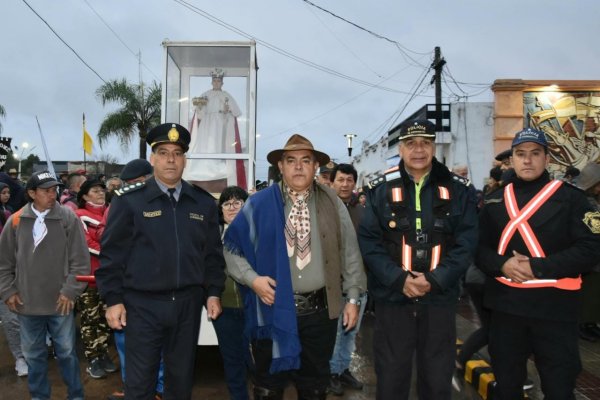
[(592, 220), (152, 214), (199, 217)]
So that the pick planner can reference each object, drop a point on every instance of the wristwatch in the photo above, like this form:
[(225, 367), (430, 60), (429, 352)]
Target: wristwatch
[(353, 301)]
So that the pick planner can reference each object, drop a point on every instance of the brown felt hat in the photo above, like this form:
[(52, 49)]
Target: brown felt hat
[(297, 142)]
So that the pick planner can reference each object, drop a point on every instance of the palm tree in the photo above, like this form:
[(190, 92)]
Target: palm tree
[(2, 114), (140, 112)]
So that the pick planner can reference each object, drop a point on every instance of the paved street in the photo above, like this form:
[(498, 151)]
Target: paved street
[(209, 383)]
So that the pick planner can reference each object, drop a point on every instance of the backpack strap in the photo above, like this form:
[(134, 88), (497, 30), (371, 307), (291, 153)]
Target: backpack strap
[(16, 218)]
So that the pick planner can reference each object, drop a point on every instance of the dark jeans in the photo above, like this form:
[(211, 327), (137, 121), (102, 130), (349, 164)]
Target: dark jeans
[(235, 350), (554, 345), (317, 338), (34, 329), (160, 324), (479, 338), (400, 330)]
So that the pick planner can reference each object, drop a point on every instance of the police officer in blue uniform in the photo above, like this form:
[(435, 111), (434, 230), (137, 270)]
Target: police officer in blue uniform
[(417, 238), (161, 260)]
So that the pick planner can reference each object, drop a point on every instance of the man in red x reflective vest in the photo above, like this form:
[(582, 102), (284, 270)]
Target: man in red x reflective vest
[(534, 245)]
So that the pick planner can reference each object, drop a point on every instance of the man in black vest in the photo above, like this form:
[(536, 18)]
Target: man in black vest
[(417, 239), (536, 239), (293, 244)]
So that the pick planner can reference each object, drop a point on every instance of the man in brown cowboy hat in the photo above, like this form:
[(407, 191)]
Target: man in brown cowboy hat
[(294, 246)]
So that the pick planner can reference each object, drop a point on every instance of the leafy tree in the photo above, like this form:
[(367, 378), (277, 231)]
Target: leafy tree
[(26, 164), (139, 112)]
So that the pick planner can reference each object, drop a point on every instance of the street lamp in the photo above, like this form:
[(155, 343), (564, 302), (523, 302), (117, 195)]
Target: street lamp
[(349, 137), (24, 147)]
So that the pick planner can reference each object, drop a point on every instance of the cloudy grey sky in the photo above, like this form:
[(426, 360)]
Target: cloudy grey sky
[(480, 40)]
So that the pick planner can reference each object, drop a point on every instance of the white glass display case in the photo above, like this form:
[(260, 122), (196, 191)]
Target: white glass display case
[(210, 88)]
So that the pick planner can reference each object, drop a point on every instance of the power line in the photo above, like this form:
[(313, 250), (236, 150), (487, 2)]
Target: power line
[(478, 85), (465, 95), (333, 108), (401, 48), (396, 115), (343, 44), (282, 51), (119, 38), (65, 43)]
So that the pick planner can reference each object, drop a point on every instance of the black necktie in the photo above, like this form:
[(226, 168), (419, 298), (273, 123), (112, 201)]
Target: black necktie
[(172, 197)]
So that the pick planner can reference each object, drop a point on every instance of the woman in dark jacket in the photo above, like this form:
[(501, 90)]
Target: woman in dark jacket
[(233, 345)]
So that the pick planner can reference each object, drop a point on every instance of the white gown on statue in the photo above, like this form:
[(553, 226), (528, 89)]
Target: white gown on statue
[(213, 131)]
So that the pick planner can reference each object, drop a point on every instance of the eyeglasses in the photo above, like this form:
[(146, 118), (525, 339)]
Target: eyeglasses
[(232, 205)]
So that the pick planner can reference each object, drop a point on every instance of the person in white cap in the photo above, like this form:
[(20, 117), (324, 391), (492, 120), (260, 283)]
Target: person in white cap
[(42, 250)]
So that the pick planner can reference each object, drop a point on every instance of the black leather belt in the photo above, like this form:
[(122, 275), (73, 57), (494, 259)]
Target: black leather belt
[(310, 302)]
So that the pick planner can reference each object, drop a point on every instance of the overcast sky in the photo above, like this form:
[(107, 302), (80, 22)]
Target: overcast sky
[(480, 40)]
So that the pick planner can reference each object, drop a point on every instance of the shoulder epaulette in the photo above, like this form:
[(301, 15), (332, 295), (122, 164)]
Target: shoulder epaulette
[(376, 182), (392, 174), (461, 179), (388, 176), (130, 188)]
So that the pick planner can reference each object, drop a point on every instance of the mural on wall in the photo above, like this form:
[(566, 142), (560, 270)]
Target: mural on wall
[(571, 122)]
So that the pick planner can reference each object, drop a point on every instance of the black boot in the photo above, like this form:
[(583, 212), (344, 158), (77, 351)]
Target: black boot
[(261, 393), (585, 335), (314, 394)]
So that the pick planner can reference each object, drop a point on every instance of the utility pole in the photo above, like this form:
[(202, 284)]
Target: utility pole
[(438, 65), (141, 82)]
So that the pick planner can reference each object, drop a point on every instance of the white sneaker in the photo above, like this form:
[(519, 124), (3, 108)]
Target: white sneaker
[(21, 367)]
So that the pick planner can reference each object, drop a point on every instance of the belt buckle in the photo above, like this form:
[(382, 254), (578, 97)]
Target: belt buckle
[(302, 304), (420, 236), (305, 305)]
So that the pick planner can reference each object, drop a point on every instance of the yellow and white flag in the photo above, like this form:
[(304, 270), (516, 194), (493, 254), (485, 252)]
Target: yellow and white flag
[(87, 139)]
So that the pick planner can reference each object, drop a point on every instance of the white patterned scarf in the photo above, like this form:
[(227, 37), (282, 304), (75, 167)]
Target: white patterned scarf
[(40, 230), (297, 228)]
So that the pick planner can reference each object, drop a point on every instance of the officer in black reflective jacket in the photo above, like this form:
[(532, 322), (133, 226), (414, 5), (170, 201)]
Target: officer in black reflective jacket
[(536, 240), (161, 259), (417, 238)]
